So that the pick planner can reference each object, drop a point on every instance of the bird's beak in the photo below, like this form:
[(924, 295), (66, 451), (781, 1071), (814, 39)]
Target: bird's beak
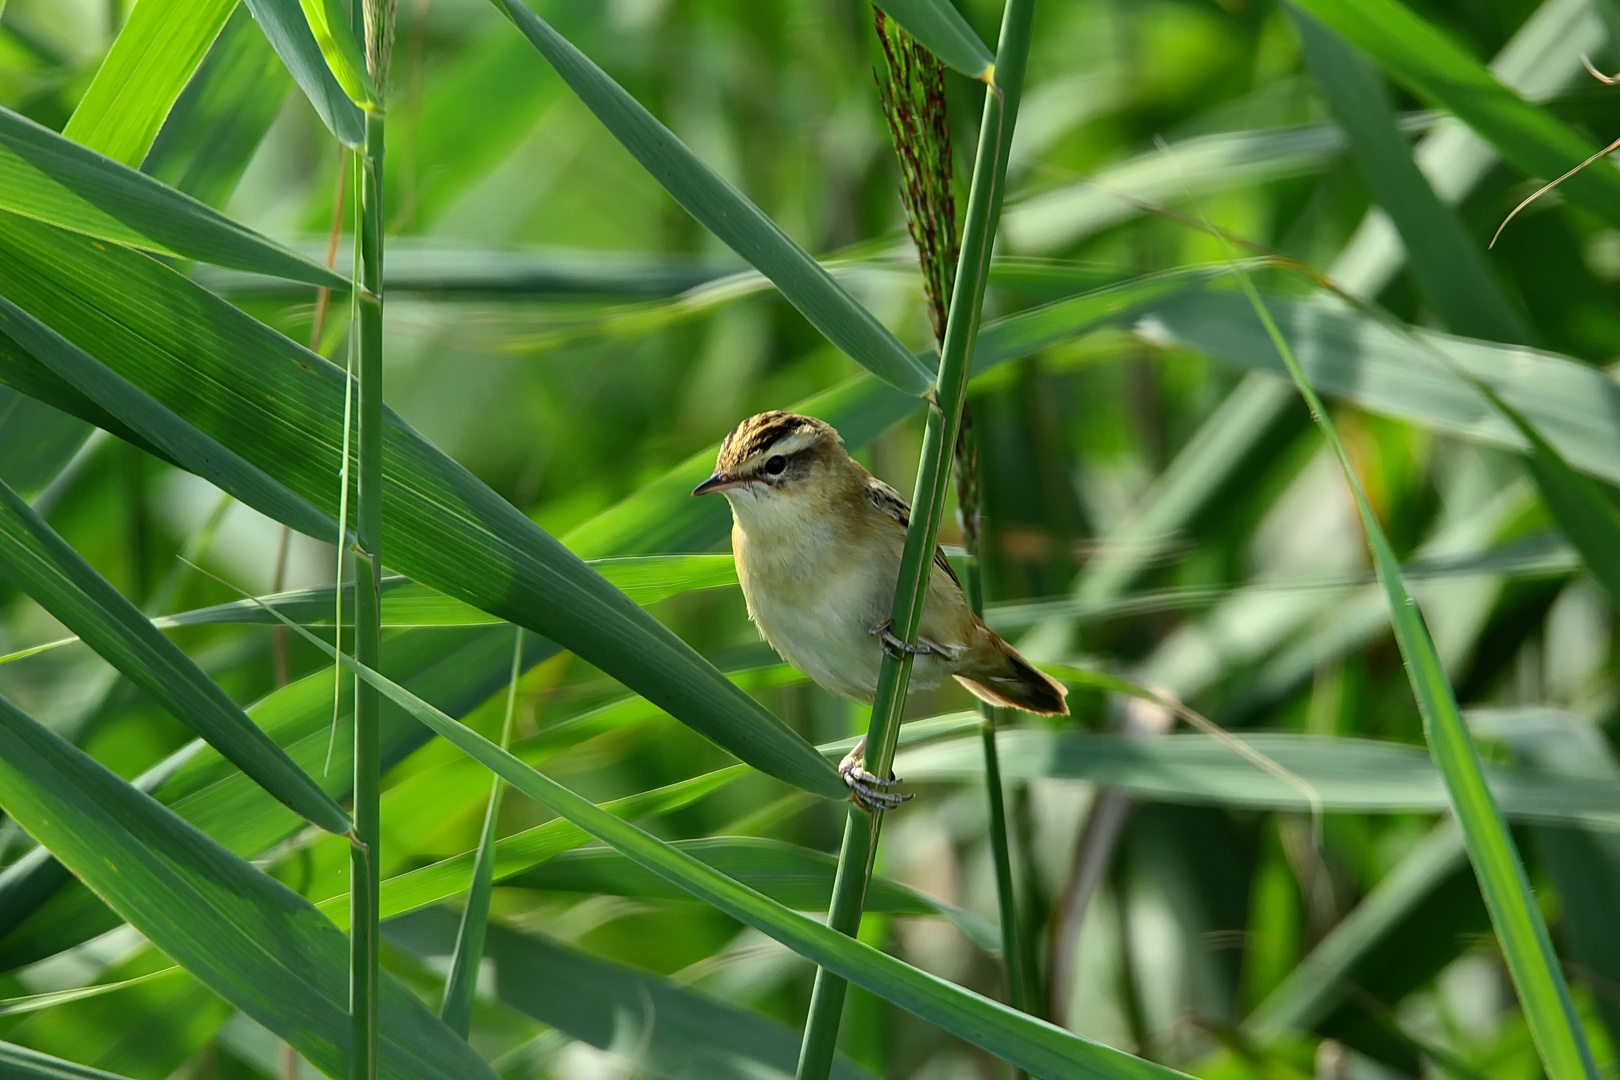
[(718, 482)]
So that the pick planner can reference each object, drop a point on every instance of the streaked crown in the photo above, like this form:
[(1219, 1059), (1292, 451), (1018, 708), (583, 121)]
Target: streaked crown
[(773, 434)]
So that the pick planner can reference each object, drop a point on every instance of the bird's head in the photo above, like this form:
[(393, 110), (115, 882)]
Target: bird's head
[(777, 465)]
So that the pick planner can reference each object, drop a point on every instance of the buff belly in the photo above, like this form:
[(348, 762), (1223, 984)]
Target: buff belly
[(821, 624)]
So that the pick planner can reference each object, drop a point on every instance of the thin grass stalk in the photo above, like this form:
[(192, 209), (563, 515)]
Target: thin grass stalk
[(462, 985), (365, 876), (927, 506), (1520, 928), (913, 98)]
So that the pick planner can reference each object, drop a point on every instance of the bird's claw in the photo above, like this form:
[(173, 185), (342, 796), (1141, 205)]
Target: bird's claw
[(892, 643), (870, 792)]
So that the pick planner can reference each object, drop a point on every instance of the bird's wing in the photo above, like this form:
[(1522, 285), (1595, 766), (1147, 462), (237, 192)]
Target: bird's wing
[(888, 500)]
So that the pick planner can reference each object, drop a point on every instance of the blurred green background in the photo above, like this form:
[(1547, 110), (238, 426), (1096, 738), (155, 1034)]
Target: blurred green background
[(1153, 508)]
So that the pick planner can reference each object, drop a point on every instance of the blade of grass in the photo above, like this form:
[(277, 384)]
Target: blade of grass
[(48, 569), (1035, 1045), (289, 33), (1322, 979), (938, 25), (1447, 265), (52, 179), (1434, 67), (151, 423), (861, 827), (20, 1061), (1308, 773), (148, 65), (1520, 929), (456, 1010), (727, 212), (604, 1004), (251, 940), (334, 33)]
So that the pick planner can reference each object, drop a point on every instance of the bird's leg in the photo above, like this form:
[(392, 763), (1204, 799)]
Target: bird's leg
[(893, 645), (870, 792)]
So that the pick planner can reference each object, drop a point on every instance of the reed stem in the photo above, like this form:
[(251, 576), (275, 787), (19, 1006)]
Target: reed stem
[(365, 883), (927, 506)]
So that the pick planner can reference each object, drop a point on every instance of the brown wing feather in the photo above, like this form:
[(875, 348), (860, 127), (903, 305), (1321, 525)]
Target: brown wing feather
[(888, 500)]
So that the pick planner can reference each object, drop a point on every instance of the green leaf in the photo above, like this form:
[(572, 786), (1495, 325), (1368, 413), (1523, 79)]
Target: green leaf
[(456, 670), (148, 65), (1348, 775), (50, 571), (1520, 929), (1446, 264), (289, 33), (1032, 1044), (1434, 67), (447, 878), (47, 177), (1326, 975), (20, 1061), (1360, 360), (793, 876), (158, 427), (939, 26), (225, 112), (328, 21), (613, 1007), (462, 985), (281, 408), (1583, 508), (1585, 865), (251, 940), (646, 579), (727, 212)]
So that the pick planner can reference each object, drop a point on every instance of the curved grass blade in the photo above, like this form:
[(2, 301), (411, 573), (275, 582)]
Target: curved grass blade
[(456, 670), (170, 435), (613, 1007), (19, 1061), (148, 65), (939, 26), (1446, 264), (289, 33), (251, 940), (340, 50), (1435, 68), (52, 179), (280, 406), (727, 212), (50, 571), (1520, 929), (1035, 1045), (456, 1010)]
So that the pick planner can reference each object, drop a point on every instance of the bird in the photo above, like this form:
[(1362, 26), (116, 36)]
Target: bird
[(817, 542)]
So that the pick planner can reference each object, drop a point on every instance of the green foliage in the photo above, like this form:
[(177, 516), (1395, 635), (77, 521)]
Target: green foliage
[(609, 232)]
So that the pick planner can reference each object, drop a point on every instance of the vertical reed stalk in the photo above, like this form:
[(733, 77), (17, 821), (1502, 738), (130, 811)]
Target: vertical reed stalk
[(365, 886), (927, 506), (913, 98)]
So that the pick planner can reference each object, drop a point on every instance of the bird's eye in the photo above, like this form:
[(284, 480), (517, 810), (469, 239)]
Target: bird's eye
[(776, 464)]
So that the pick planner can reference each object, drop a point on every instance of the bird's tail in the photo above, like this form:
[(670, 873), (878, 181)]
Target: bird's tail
[(994, 672)]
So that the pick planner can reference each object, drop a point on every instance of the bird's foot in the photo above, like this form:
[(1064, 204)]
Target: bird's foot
[(892, 643), (870, 792)]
